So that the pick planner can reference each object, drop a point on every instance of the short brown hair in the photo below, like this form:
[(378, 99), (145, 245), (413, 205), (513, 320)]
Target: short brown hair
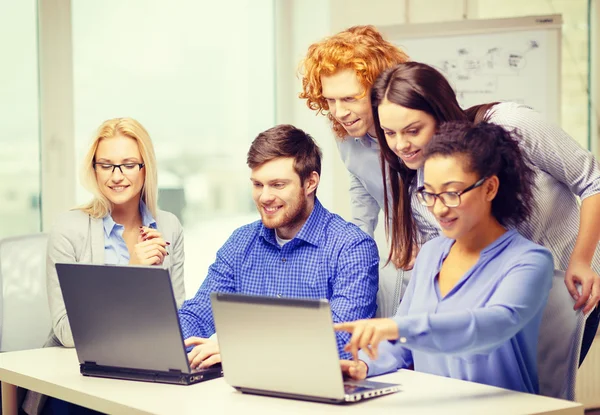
[(286, 141)]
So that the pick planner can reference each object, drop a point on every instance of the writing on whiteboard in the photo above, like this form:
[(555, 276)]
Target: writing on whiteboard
[(472, 73)]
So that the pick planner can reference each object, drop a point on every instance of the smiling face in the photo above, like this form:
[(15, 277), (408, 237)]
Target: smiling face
[(447, 174), (407, 131), (283, 202), (342, 91), (120, 188)]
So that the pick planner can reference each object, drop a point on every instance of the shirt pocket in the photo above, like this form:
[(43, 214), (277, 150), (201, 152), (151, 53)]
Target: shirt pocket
[(316, 281)]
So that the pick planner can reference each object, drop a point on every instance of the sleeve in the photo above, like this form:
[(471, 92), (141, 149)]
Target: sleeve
[(195, 315), (392, 355), (517, 298), (354, 286), (176, 268), (365, 210), (552, 150), (60, 249)]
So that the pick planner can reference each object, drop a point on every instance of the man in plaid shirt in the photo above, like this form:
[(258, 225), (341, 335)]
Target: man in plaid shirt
[(298, 248)]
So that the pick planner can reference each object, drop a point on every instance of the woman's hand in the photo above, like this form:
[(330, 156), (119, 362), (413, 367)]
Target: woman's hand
[(151, 248), (354, 370), (582, 273), (367, 334)]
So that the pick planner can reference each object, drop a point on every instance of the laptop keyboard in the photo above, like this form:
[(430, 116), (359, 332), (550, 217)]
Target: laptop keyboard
[(350, 388), (212, 368)]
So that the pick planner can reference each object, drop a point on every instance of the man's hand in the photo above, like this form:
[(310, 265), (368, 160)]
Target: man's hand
[(204, 354)]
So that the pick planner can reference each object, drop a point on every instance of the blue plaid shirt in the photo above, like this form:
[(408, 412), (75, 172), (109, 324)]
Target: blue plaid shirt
[(329, 258)]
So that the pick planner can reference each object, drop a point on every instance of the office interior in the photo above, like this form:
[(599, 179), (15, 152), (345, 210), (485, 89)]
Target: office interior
[(205, 77)]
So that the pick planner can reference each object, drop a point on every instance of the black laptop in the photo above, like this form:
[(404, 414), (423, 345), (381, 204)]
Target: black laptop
[(125, 324)]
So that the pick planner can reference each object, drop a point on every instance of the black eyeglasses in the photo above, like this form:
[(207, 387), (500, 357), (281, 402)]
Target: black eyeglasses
[(449, 199), (107, 168)]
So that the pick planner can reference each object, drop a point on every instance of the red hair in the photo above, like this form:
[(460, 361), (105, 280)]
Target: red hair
[(360, 48)]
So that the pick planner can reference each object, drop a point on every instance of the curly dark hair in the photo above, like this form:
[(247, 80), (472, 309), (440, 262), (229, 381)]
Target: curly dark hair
[(490, 150)]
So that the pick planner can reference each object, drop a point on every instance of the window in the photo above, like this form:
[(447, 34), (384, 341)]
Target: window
[(200, 78), (19, 140)]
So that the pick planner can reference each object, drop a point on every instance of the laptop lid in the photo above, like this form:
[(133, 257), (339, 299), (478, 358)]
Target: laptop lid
[(123, 316), (275, 345)]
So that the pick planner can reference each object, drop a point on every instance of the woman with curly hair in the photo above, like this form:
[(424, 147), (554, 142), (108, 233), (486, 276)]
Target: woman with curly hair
[(474, 304)]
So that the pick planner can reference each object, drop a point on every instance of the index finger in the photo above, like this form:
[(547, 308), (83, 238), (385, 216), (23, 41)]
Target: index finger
[(570, 283), (153, 241), (194, 341), (586, 289), (348, 327), (594, 297)]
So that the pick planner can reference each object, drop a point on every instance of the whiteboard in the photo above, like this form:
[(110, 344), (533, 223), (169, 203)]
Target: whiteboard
[(491, 60)]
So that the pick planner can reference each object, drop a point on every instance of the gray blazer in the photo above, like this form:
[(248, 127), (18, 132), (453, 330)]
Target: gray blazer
[(76, 237)]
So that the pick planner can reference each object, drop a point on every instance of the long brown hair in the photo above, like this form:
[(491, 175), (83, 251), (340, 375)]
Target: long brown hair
[(420, 87), (480, 113)]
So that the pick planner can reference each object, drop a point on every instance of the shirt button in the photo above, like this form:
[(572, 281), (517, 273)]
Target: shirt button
[(402, 339), (279, 295), (282, 259)]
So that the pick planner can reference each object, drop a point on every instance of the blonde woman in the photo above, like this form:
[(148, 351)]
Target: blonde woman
[(122, 224)]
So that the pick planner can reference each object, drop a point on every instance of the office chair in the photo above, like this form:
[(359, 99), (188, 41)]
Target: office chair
[(561, 332), (24, 314)]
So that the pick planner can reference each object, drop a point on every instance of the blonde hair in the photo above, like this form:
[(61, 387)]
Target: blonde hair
[(100, 206), (360, 48)]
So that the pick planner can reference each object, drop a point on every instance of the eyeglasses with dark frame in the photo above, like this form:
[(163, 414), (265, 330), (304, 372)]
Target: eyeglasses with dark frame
[(449, 199), (108, 168)]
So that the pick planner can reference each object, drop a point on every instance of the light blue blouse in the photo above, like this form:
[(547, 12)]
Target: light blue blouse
[(115, 249), (486, 328)]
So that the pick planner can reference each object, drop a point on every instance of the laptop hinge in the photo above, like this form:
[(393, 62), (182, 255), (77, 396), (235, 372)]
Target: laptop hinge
[(86, 363)]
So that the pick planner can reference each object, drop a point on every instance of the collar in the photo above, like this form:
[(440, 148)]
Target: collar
[(368, 141), (147, 220), (311, 231)]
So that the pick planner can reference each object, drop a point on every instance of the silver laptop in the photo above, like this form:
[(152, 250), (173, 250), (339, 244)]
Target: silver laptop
[(286, 348), (125, 324)]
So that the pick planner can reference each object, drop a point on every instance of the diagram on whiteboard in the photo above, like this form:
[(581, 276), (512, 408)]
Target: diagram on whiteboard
[(518, 66), (479, 74)]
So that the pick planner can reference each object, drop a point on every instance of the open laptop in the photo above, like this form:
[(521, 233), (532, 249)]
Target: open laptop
[(125, 324), (286, 348)]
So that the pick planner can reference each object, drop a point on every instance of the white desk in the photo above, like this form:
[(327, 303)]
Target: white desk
[(55, 372)]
